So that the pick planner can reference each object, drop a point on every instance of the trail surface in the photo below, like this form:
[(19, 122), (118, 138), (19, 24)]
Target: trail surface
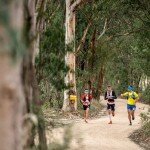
[(99, 135)]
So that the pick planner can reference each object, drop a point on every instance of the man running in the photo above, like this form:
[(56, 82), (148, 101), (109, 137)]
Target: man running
[(132, 98), (86, 100), (110, 96)]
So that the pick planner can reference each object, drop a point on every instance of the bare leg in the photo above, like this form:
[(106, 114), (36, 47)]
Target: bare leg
[(113, 113), (86, 114), (129, 116), (132, 112), (109, 113)]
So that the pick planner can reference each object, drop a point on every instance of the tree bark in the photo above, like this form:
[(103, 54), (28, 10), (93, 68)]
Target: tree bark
[(70, 56), (39, 9), (29, 78), (70, 80), (11, 89), (100, 82)]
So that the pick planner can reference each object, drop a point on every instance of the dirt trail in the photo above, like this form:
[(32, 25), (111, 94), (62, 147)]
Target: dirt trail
[(99, 135)]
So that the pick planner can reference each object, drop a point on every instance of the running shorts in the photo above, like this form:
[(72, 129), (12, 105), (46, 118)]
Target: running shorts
[(111, 107), (131, 107)]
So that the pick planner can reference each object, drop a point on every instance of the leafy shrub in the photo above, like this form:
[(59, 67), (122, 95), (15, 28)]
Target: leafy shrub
[(146, 95)]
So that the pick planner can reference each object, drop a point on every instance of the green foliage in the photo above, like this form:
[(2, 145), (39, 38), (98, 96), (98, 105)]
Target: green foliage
[(50, 63), (70, 47), (123, 50), (142, 135), (146, 95), (146, 123)]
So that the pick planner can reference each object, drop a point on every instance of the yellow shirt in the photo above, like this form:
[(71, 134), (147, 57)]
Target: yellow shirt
[(131, 96)]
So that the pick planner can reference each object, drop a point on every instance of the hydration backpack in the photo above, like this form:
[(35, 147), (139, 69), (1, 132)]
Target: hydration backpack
[(131, 96)]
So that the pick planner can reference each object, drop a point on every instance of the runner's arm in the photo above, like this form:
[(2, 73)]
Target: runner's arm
[(105, 96), (114, 95), (124, 94), (82, 98)]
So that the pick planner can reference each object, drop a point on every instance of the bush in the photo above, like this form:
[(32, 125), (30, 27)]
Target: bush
[(146, 95), (146, 123)]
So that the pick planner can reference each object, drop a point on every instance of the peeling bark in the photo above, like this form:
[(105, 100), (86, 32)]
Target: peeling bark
[(70, 56)]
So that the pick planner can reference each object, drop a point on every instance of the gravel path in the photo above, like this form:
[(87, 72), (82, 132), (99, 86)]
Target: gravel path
[(99, 135)]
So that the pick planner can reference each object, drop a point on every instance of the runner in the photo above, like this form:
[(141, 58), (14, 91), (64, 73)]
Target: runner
[(132, 98), (110, 96), (86, 100)]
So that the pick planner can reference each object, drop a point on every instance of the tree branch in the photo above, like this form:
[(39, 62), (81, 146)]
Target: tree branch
[(76, 4), (40, 6), (54, 12), (104, 29), (83, 37), (123, 34), (128, 33)]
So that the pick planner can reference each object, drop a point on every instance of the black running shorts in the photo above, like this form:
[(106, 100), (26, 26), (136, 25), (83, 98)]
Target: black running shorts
[(111, 107), (86, 106)]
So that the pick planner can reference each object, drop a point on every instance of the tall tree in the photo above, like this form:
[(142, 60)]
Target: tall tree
[(11, 89), (29, 78), (70, 79)]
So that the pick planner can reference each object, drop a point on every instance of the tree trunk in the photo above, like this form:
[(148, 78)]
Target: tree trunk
[(39, 20), (29, 78), (70, 80), (11, 90), (93, 50), (100, 82)]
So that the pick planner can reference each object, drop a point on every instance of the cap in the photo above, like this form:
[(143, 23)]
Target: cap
[(130, 87), (86, 91)]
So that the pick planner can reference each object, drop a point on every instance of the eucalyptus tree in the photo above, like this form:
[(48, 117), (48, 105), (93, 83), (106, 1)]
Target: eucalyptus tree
[(120, 21), (70, 79), (12, 100), (31, 90)]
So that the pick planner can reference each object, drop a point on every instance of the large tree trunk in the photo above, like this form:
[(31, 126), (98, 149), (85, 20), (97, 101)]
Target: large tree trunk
[(11, 90), (70, 80), (70, 56), (30, 81)]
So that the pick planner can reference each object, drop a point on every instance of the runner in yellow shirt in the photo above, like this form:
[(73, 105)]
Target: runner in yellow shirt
[(132, 98)]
